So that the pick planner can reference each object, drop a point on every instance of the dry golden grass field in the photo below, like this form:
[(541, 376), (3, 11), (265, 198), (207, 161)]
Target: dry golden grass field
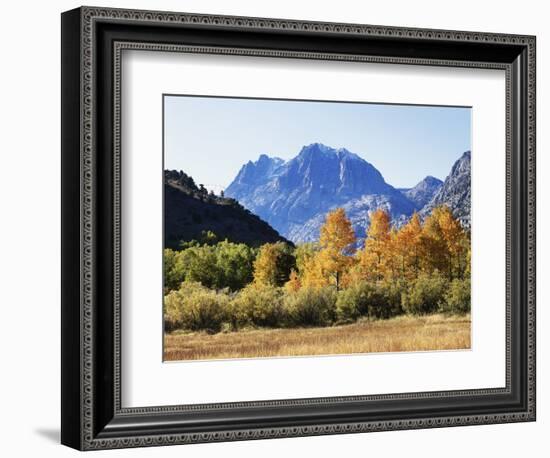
[(405, 333)]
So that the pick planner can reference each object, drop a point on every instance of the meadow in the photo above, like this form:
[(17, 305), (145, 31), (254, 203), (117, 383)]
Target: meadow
[(401, 333)]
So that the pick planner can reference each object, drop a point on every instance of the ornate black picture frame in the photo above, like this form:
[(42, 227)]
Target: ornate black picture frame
[(92, 42)]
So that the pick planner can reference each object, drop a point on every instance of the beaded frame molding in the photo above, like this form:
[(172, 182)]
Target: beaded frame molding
[(93, 40)]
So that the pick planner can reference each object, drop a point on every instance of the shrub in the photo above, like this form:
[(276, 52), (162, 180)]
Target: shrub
[(385, 301), (377, 300), (195, 307), (353, 302), (311, 306), (457, 299), (346, 306), (425, 294), (261, 305)]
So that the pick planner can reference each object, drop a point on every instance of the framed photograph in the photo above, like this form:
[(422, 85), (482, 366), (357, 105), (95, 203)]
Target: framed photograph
[(276, 228)]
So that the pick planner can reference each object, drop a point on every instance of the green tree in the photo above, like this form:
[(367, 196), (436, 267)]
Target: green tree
[(234, 265), (172, 275), (221, 265)]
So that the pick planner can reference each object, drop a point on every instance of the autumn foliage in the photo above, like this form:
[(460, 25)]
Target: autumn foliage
[(388, 254), (335, 255), (418, 268)]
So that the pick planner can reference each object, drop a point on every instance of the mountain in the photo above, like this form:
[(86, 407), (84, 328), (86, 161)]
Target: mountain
[(294, 196), (252, 174), (423, 192), (190, 211), (455, 192)]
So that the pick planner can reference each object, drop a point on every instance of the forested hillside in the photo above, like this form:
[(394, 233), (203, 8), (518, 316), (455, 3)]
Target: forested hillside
[(192, 213)]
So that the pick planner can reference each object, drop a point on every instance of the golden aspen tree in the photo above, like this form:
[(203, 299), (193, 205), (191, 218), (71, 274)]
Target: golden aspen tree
[(393, 263), (309, 271), (337, 242), (434, 251), (312, 274), (373, 257), (265, 265), (453, 235), (352, 275), (367, 265), (401, 249), (408, 247), (414, 227)]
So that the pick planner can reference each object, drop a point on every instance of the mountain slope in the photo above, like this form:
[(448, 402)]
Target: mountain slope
[(358, 211), (424, 191), (455, 191), (294, 196), (190, 211)]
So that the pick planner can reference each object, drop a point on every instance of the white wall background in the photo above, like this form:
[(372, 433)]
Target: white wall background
[(30, 240)]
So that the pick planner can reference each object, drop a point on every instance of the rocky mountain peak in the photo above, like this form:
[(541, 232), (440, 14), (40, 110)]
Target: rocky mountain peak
[(424, 191), (317, 179), (455, 192), (253, 173)]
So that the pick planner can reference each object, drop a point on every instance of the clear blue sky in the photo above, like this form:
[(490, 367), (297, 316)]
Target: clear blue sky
[(211, 138)]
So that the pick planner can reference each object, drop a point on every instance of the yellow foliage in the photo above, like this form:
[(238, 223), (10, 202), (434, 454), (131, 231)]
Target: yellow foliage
[(407, 248), (293, 284), (389, 254), (433, 245), (375, 258), (265, 265), (454, 235), (379, 228), (337, 233), (337, 243), (313, 274), (444, 243)]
